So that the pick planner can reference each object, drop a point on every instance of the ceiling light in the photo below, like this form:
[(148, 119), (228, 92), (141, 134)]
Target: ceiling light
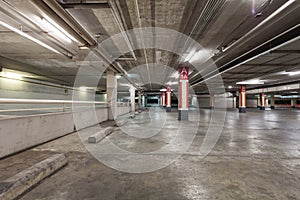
[(164, 90), (293, 73), (11, 75), (229, 87), (83, 88), (28, 37), (172, 83), (52, 30), (51, 25), (83, 47), (251, 82), (118, 76)]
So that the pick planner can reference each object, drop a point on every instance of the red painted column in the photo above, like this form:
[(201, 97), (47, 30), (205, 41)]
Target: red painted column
[(168, 99), (262, 101), (183, 95), (242, 99), (163, 99)]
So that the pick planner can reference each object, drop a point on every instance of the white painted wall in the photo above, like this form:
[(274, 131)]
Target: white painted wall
[(24, 90), (121, 110), (20, 133)]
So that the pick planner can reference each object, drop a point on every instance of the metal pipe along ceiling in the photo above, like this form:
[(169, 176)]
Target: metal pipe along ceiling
[(210, 11), (68, 23), (65, 20), (280, 40)]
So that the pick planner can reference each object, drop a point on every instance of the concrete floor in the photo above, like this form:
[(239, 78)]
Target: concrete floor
[(256, 157)]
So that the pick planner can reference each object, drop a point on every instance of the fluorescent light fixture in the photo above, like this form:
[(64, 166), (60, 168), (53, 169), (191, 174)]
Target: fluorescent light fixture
[(294, 73), (11, 75), (51, 25), (53, 30), (28, 37), (118, 76), (172, 83), (83, 48), (164, 90), (251, 82), (124, 84), (83, 88)]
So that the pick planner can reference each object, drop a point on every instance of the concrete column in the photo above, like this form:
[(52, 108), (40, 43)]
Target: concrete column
[(212, 101), (242, 99), (140, 101), (168, 99), (163, 99), (111, 92), (143, 101), (183, 95), (233, 102), (293, 103), (272, 101), (132, 100), (262, 101)]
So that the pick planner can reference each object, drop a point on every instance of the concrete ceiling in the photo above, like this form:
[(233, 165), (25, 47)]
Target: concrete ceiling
[(225, 28)]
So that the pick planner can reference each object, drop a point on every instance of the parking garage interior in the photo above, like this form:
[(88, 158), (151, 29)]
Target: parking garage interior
[(149, 99)]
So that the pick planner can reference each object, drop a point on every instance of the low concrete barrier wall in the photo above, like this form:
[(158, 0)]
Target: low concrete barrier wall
[(121, 110), (20, 133)]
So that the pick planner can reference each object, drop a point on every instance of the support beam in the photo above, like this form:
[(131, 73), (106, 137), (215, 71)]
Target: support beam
[(183, 104), (293, 103), (163, 99), (140, 101), (132, 100), (262, 101), (272, 101), (242, 99), (111, 91), (168, 99)]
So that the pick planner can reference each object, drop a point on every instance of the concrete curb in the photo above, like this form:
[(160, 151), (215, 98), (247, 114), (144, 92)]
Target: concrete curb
[(97, 137), (121, 123), (18, 184)]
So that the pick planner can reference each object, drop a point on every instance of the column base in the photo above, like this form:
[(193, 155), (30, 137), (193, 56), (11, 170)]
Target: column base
[(261, 108), (168, 109), (293, 107), (272, 107), (242, 110), (183, 115)]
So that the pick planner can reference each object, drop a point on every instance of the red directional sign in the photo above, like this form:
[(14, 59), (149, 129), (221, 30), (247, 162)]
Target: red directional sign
[(184, 73)]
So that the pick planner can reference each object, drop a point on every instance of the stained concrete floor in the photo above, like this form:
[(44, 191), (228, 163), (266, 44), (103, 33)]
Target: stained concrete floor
[(256, 157)]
